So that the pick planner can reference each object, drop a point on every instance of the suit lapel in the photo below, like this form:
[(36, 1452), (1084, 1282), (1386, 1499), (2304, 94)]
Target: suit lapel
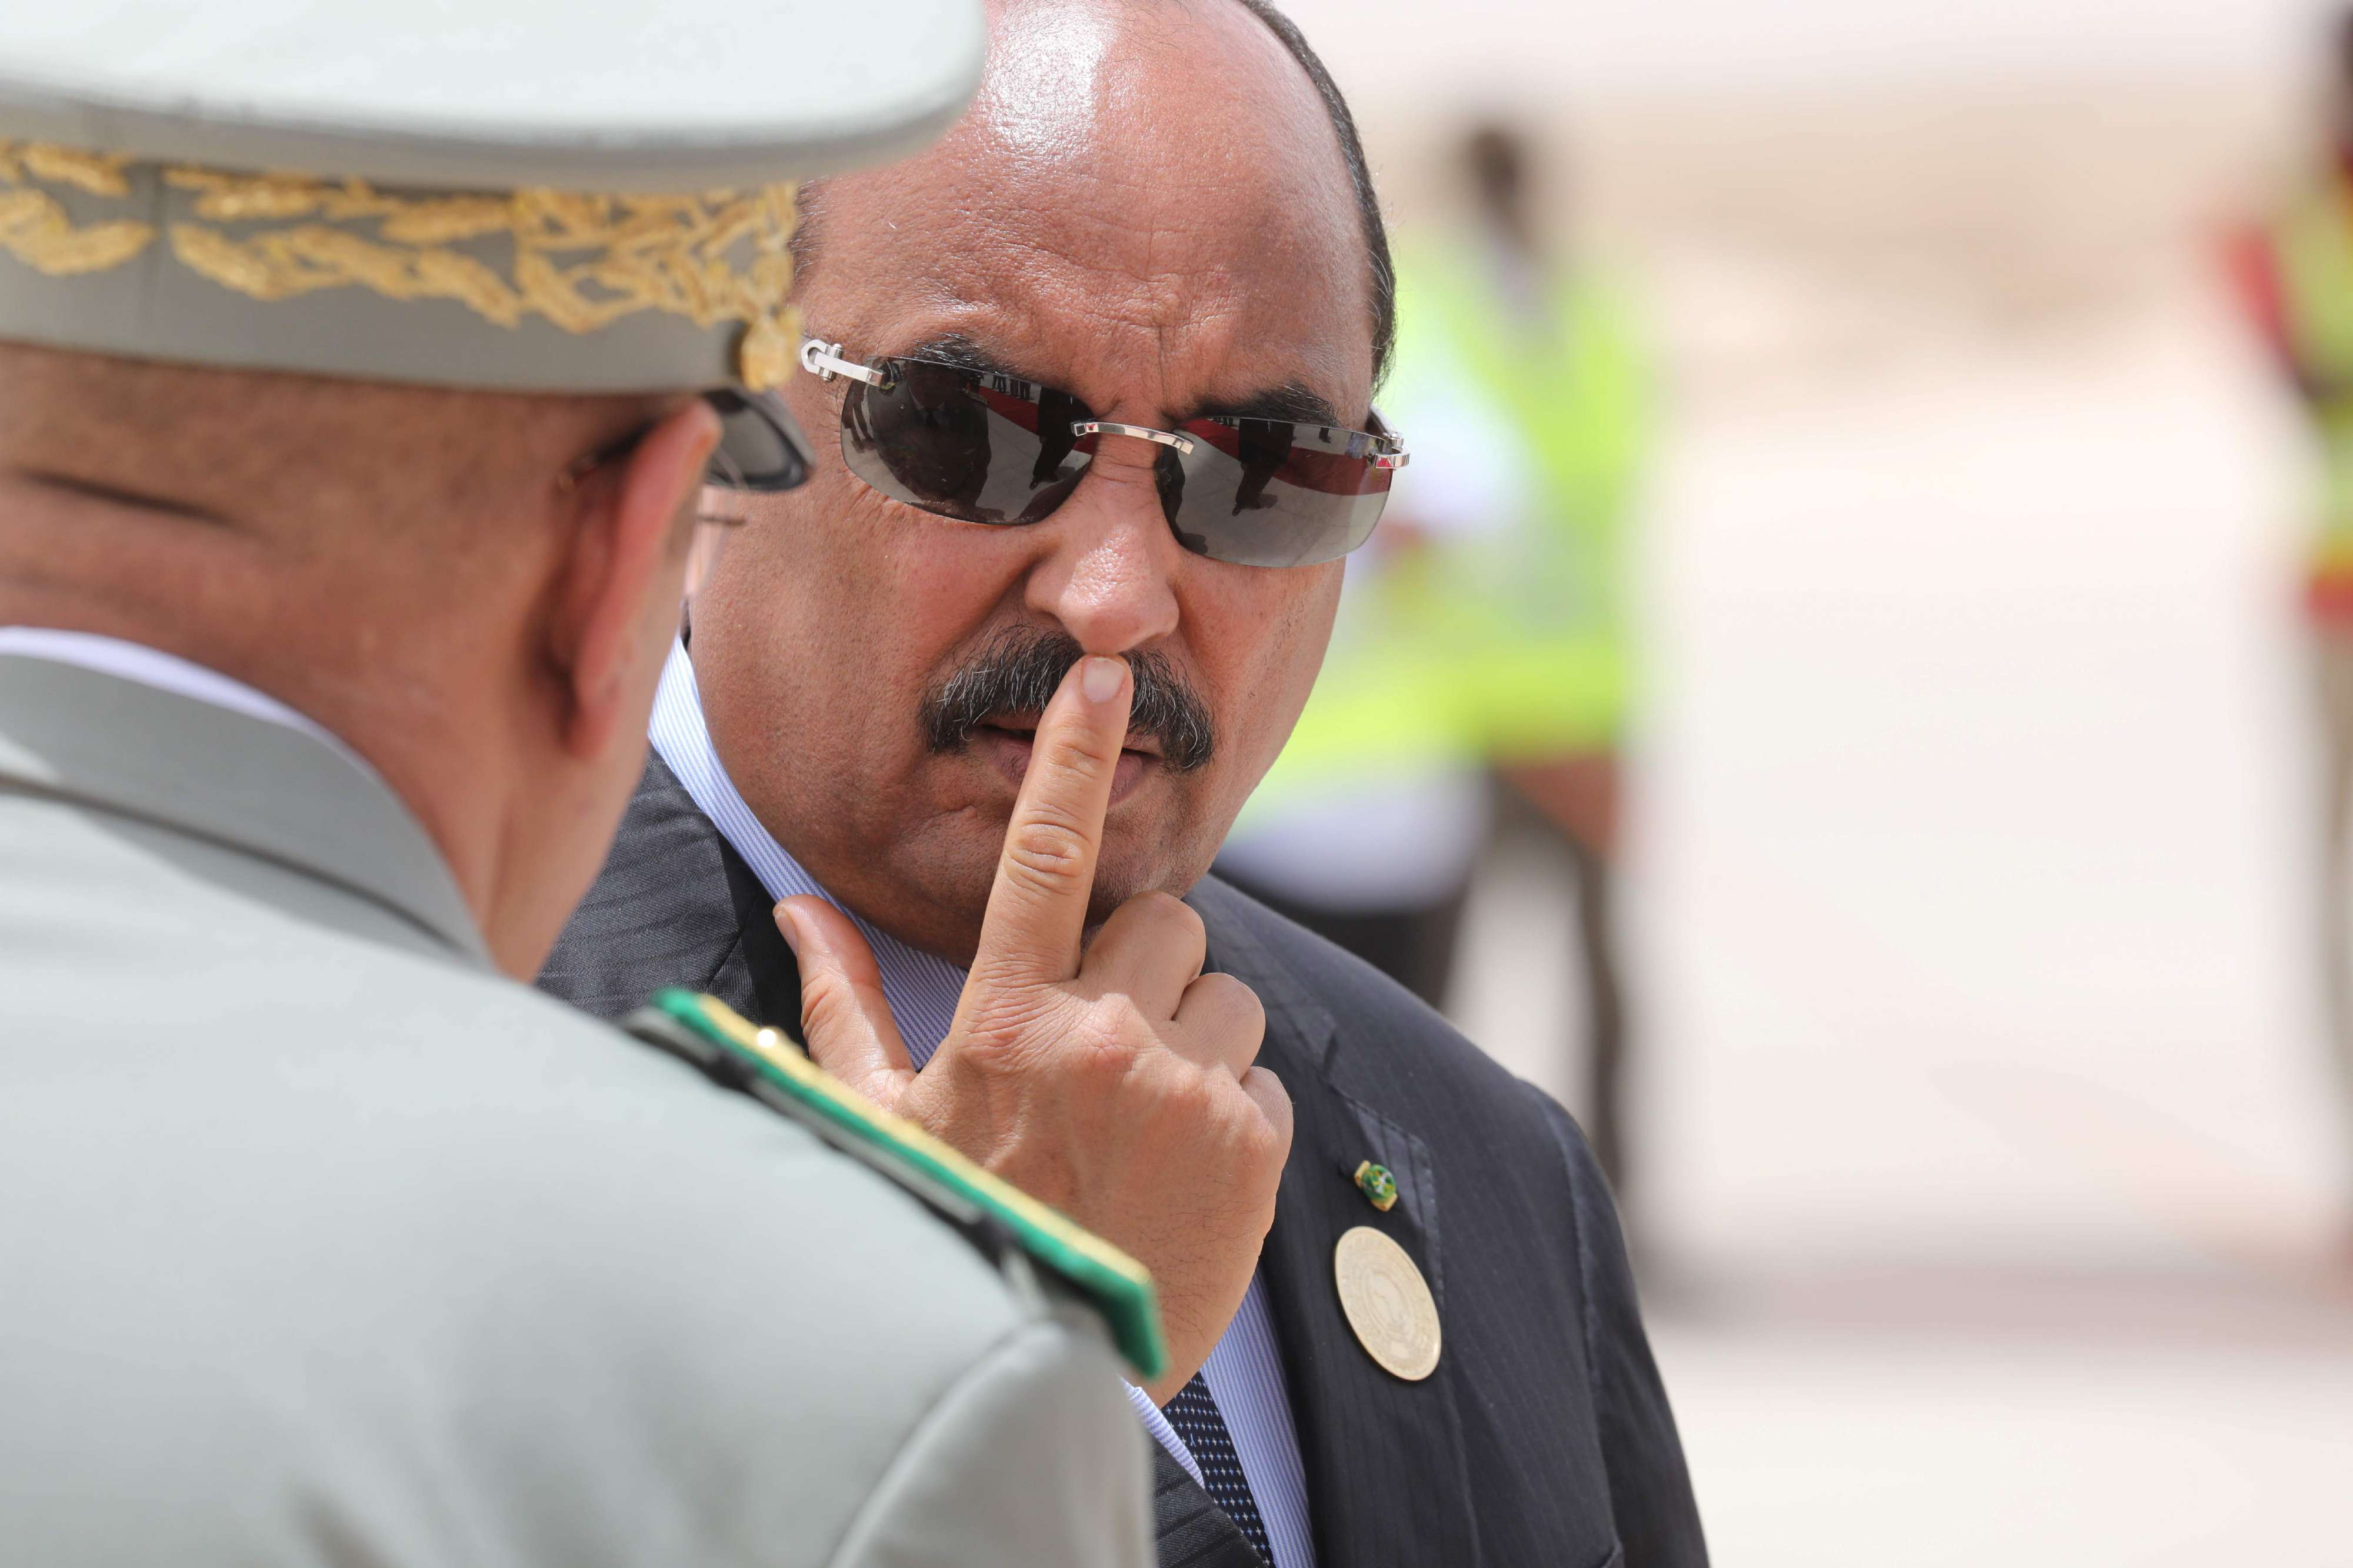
[(1191, 1531), (1387, 1481)]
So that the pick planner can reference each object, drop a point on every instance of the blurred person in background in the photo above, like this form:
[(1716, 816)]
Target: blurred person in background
[(2296, 273), (1483, 634)]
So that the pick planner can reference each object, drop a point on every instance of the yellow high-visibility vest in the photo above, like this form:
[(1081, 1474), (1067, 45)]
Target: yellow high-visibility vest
[(1510, 643), (2312, 254)]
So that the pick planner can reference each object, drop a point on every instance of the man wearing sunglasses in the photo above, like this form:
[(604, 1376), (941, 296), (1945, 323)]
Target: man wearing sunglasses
[(343, 521), (958, 723)]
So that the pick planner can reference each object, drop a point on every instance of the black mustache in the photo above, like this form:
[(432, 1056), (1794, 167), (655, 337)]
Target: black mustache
[(1020, 670)]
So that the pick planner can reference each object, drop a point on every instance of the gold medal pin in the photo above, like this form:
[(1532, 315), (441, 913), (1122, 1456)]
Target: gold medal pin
[(1387, 1302)]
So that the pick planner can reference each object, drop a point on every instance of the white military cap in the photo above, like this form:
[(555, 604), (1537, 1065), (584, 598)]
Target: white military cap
[(578, 195)]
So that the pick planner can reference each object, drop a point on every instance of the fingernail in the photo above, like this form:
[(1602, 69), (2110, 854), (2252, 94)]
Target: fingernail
[(1101, 677), (788, 926)]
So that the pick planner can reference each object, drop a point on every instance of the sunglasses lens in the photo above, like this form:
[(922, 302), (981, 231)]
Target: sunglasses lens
[(991, 449), (974, 447), (760, 449), (1263, 492)]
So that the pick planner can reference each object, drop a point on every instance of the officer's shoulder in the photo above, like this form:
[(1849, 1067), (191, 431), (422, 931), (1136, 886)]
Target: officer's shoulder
[(481, 1118), (1044, 1256)]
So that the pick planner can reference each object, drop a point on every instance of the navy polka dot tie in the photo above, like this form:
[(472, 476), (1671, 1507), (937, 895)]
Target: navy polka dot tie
[(1195, 1416)]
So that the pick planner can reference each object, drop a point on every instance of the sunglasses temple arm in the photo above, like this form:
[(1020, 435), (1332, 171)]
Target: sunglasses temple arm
[(824, 361)]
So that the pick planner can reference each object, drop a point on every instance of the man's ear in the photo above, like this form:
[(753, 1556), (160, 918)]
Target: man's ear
[(624, 574)]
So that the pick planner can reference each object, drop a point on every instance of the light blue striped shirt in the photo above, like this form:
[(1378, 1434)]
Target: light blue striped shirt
[(1245, 1371)]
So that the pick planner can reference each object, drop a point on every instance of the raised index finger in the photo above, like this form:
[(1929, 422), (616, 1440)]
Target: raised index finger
[(1038, 908)]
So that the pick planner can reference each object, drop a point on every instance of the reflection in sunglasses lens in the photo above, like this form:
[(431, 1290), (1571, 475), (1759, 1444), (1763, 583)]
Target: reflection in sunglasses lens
[(989, 450)]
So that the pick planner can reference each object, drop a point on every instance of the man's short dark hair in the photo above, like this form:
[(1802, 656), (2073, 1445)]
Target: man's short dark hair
[(1352, 155)]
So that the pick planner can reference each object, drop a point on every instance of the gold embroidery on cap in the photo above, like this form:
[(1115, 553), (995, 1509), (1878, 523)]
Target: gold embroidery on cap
[(35, 227), (580, 261), (287, 262), (100, 173), (577, 261), (36, 231), (769, 350)]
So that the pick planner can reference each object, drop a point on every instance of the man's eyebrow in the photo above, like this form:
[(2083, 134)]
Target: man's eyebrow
[(955, 349), (1292, 401)]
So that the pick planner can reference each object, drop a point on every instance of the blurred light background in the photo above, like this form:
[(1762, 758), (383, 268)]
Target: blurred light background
[(1990, 1172)]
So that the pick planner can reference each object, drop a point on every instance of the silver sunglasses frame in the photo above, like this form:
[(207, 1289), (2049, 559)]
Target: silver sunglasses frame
[(825, 362)]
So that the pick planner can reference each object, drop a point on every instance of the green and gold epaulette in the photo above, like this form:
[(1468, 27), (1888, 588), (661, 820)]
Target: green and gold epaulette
[(762, 1063)]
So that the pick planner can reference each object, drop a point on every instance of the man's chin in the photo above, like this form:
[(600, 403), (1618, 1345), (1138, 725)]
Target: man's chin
[(1129, 870)]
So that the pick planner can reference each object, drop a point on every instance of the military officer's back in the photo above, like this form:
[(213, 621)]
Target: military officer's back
[(324, 1240), (327, 1244)]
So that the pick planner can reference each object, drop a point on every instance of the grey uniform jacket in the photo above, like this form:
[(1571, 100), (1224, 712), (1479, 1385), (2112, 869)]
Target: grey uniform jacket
[(322, 1242)]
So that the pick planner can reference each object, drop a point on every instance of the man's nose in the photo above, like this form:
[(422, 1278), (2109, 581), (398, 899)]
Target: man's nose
[(1109, 576)]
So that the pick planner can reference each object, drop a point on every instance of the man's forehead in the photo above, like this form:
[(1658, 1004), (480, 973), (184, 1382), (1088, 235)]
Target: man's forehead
[(1148, 198)]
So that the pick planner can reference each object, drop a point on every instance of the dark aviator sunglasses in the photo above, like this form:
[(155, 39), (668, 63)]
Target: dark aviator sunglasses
[(985, 447)]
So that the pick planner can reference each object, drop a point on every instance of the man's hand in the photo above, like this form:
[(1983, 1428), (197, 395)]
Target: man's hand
[(1114, 1083)]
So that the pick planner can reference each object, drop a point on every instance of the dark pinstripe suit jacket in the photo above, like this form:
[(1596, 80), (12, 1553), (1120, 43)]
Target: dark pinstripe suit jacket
[(1543, 1438)]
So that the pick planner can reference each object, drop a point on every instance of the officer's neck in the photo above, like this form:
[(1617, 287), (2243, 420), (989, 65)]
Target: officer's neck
[(409, 687)]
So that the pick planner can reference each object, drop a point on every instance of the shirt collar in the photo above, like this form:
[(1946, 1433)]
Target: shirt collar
[(923, 988), (165, 672), (170, 744)]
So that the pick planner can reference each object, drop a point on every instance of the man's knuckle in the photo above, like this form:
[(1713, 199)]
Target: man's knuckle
[(1102, 1062), (1249, 1014), (1192, 1092), (1152, 1083), (1011, 1026), (1263, 1143), (1110, 1025), (1113, 1015), (1047, 855), (1230, 999), (821, 1002)]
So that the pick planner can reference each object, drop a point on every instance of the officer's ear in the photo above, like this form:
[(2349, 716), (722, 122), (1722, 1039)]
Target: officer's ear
[(617, 601)]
